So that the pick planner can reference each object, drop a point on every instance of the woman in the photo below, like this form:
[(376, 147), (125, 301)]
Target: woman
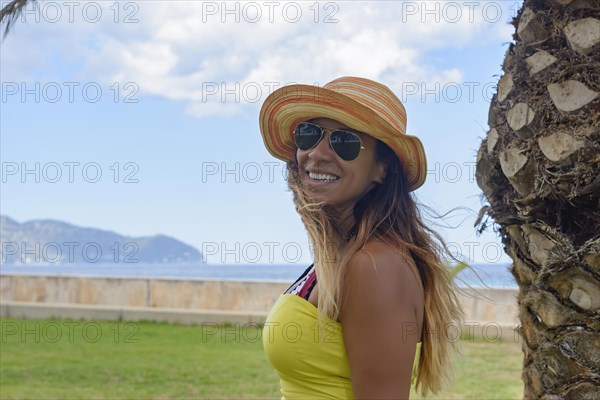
[(368, 319)]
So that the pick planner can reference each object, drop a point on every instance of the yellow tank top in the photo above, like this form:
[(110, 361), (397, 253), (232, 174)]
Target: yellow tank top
[(311, 362)]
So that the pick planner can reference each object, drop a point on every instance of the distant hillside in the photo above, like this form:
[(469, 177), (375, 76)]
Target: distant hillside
[(54, 242)]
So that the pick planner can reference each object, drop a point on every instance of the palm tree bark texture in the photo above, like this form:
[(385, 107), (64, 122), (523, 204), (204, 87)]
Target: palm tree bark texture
[(539, 168)]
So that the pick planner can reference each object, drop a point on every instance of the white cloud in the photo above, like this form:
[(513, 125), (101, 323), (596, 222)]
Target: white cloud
[(180, 50)]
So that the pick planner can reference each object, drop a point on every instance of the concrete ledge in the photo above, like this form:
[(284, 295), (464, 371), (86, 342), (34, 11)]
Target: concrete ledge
[(239, 296), (232, 299), (489, 331), (490, 314), (33, 310)]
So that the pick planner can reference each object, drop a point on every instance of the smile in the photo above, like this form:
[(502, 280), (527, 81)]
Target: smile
[(322, 177)]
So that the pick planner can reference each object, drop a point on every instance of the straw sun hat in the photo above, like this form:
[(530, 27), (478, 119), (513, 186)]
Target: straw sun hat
[(361, 104)]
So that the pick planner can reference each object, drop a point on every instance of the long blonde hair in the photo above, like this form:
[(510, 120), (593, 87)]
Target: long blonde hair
[(387, 213)]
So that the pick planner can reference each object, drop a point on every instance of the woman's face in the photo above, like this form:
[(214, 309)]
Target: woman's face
[(344, 181)]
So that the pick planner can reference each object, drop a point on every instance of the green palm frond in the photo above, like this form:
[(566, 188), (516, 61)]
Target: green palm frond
[(455, 270), (10, 13)]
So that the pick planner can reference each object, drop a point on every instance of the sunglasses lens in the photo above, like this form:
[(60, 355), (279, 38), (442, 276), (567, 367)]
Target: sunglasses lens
[(307, 135), (346, 144)]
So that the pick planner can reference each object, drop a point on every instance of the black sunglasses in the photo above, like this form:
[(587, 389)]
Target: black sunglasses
[(347, 145)]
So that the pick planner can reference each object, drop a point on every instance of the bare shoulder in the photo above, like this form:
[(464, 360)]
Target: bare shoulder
[(381, 313), (383, 278), (383, 264)]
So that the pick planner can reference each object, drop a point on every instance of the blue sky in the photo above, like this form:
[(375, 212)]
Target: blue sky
[(162, 99)]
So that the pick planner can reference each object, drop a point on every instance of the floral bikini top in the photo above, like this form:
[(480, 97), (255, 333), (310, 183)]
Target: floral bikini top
[(304, 284)]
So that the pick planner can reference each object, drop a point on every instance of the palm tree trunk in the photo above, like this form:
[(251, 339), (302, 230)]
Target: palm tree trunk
[(539, 169)]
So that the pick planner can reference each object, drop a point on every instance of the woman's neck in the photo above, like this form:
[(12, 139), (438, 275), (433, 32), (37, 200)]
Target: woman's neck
[(345, 221)]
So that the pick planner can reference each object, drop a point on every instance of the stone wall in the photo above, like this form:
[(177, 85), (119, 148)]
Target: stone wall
[(196, 300), (135, 292)]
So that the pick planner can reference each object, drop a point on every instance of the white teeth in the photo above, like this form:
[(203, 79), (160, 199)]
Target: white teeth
[(322, 177)]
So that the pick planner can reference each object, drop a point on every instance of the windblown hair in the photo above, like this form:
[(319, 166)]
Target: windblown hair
[(388, 213)]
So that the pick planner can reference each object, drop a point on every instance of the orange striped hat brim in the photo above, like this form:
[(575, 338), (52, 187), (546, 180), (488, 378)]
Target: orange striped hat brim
[(361, 104)]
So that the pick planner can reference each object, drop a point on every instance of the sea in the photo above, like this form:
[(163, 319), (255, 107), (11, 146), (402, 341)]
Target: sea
[(477, 276)]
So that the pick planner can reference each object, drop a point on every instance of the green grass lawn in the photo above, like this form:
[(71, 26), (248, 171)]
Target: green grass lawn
[(487, 371), (54, 359)]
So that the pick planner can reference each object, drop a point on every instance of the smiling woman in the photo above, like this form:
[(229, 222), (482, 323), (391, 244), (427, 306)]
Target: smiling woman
[(327, 175), (369, 317)]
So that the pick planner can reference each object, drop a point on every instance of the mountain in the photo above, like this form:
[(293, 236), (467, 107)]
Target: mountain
[(56, 242)]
